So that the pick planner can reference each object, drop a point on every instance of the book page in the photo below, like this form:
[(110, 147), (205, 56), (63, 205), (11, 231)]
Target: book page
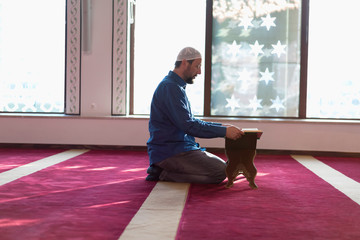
[(253, 130)]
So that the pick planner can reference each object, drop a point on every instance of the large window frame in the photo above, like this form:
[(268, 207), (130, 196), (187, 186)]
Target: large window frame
[(208, 65), (303, 73), (72, 63)]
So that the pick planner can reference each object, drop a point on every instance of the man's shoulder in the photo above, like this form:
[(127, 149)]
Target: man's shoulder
[(173, 78), (168, 81)]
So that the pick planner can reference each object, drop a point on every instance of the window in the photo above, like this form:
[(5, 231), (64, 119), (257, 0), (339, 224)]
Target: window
[(263, 58), (162, 29), (333, 68), (32, 56), (255, 58)]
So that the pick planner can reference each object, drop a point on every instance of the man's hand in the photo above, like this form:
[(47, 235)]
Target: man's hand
[(233, 132)]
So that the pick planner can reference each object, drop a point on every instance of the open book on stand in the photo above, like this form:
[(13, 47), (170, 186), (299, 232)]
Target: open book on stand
[(253, 130)]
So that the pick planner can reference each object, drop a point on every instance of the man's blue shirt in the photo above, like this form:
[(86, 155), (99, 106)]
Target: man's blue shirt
[(172, 125)]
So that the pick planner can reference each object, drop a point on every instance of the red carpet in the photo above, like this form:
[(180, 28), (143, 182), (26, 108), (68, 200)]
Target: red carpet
[(95, 195), (12, 157), (92, 196), (347, 166), (291, 203)]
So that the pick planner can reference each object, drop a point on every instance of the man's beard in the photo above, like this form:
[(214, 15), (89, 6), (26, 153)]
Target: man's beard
[(189, 80)]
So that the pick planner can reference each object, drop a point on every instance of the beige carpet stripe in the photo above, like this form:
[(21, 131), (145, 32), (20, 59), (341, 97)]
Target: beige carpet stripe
[(338, 180), (38, 165), (159, 216)]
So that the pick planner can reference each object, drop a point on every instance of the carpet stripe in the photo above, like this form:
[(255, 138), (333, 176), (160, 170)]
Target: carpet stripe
[(27, 169), (159, 216), (349, 166), (11, 158), (338, 180)]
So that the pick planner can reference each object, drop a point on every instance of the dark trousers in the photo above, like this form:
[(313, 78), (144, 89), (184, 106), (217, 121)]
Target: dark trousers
[(193, 167)]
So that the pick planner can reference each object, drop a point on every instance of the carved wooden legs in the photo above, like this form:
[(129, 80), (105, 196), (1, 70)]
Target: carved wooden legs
[(241, 162)]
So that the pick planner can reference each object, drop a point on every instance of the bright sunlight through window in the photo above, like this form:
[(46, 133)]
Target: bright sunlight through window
[(32, 56), (162, 29), (333, 68)]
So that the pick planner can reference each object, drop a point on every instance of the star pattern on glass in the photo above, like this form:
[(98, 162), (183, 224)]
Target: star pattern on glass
[(266, 76), (247, 54), (244, 75), (246, 22), (278, 49), (267, 52), (277, 103), (245, 33), (223, 32), (255, 103), (12, 106), (234, 49), (268, 22), (256, 23), (29, 106), (232, 103), (232, 24), (256, 48)]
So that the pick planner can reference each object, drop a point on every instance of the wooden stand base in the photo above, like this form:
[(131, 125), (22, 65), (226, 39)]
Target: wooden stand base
[(241, 154)]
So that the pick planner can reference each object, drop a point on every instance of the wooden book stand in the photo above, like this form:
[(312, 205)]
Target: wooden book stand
[(241, 154)]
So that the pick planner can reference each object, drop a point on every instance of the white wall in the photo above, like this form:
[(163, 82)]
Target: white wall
[(95, 126)]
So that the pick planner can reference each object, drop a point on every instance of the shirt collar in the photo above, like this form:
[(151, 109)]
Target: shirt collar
[(177, 79)]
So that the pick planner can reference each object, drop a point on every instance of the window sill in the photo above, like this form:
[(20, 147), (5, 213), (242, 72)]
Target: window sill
[(212, 119)]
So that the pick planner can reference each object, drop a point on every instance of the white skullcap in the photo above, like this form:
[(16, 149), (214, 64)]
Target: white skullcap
[(188, 53)]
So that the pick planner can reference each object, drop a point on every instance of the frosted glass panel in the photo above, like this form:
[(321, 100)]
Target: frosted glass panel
[(32, 56), (333, 65), (162, 29), (256, 58)]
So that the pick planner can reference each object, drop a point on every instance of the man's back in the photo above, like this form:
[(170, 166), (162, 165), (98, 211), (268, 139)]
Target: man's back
[(170, 112)]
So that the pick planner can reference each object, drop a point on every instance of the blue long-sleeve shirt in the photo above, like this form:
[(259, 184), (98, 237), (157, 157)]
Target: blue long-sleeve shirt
[(172, 125)]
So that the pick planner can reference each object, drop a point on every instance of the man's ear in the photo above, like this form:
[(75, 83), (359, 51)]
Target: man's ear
[(184, 62)]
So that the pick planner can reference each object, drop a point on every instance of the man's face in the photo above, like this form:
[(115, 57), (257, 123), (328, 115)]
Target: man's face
[(192, 71)]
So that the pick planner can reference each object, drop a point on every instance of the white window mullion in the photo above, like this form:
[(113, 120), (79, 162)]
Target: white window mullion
[(119, 74), (73, 54)]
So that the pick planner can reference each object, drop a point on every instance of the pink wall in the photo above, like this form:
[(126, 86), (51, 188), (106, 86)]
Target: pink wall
[(278, 134)]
